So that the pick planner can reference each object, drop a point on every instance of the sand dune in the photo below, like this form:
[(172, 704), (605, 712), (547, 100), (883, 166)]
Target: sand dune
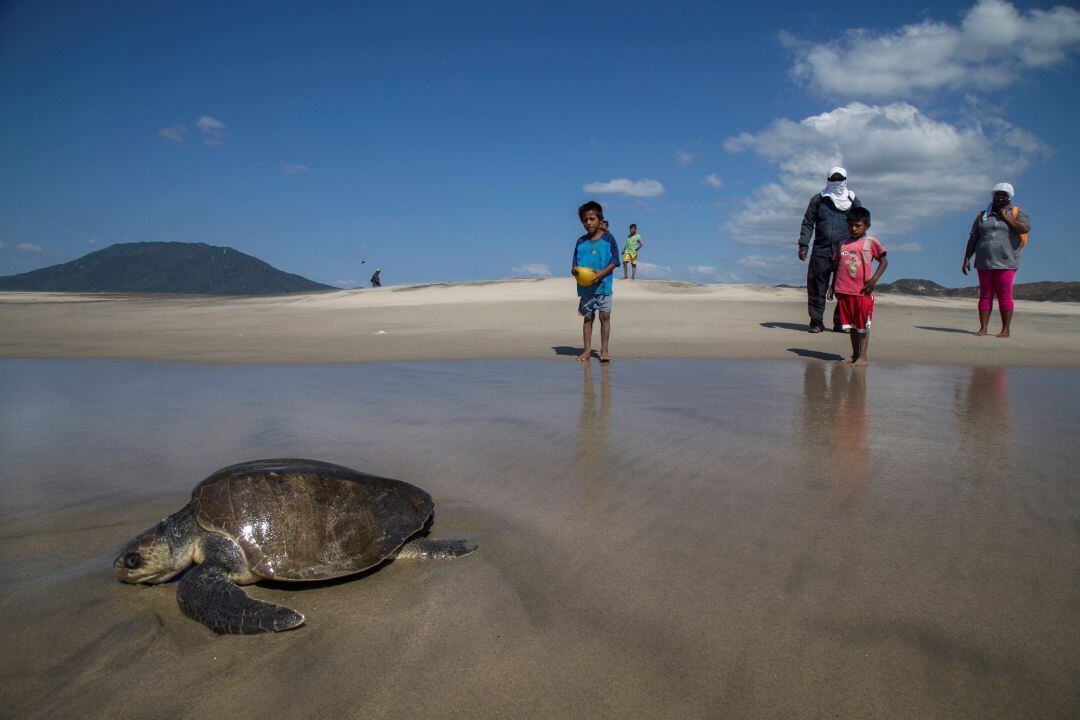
[(511, 319)]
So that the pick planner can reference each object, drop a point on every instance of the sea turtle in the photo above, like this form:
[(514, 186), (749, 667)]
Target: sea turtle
[(286, 520)]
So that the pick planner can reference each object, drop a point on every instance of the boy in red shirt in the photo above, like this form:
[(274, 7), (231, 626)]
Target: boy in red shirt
[(853, 284)]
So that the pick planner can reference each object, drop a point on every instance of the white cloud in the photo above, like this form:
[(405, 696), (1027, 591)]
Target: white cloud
[(989, 49), (344, 284), (92, 241), (625, 186), (905, 166), (28, 247), (712, 181), (174, 133), (294, 169), (647, 271), (209, 125), (710, 273), (532, 270), (905, 247), (684, 157), (774, 268), (213, 129)]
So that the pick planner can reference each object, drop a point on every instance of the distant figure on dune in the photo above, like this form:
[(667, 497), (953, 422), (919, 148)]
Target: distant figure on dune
[(376, 281), (630, 251), (594, 260), (997, 238), (826, 220)]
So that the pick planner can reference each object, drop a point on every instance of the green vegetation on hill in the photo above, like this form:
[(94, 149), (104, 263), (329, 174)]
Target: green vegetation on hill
[(163, 267), (1051, 290)]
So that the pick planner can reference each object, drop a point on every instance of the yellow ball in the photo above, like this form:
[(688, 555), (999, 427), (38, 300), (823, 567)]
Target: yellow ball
[(585, 276)]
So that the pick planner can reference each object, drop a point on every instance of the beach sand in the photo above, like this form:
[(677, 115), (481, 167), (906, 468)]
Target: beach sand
[(513, 319), (777, 536)]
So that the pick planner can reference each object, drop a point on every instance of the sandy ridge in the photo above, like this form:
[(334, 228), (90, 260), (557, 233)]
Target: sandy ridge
[(511, 319)]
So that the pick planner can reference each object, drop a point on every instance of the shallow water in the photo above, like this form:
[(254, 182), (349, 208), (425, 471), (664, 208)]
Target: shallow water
[(657, 539)]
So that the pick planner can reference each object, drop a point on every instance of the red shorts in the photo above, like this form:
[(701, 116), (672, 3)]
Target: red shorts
[(856, 311)]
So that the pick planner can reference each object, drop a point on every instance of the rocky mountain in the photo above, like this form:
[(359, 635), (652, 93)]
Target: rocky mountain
[(164, 267)]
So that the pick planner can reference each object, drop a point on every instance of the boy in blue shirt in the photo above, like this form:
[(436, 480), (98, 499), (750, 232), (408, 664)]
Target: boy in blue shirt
[(596, 250)]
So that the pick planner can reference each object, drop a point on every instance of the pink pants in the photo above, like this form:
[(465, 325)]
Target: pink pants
[(996, 283)]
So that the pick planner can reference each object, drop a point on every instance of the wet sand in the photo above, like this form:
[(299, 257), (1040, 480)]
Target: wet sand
[(531, 319), (658, 539)]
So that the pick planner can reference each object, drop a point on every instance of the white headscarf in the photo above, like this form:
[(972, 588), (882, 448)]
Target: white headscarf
[(1000, 187), (838, 190)]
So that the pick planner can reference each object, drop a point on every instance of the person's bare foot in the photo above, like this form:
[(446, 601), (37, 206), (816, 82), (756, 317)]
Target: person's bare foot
[(980, 332), (861, 362), (605, 358), (1003, 334), (848, 360), (584, 357)]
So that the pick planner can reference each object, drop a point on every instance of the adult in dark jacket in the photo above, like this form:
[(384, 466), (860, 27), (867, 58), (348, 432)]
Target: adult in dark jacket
[(826, 221)]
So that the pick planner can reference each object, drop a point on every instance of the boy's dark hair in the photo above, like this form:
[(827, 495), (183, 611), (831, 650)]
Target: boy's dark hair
[(856, 214), (591, 205), (633, 225)]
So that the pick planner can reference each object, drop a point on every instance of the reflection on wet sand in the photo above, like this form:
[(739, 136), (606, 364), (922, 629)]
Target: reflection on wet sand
[(833, 426), (850, 442), (596, 451), (982, 418), (704, 539)]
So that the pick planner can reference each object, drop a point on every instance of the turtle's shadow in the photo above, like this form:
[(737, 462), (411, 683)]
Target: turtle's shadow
[(301, 585), (330, 582)]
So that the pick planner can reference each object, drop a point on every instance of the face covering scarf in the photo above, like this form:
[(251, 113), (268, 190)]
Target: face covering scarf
[(838, 190)]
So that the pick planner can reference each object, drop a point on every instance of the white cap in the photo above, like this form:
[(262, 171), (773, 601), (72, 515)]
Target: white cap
[(1003, 187), (836, 170)]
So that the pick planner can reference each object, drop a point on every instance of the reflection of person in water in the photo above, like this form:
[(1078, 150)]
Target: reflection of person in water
[(982, 417), (835, 411), (850, 447), (595, 451)]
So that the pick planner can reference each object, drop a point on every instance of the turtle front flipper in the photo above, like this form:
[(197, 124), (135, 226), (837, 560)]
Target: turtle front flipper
[(208, 595)]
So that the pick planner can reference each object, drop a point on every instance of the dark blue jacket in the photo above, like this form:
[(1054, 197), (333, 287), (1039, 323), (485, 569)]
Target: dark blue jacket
[(826, 224)]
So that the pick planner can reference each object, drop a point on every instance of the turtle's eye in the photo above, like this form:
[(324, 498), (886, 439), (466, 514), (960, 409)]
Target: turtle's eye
[(132, 561)]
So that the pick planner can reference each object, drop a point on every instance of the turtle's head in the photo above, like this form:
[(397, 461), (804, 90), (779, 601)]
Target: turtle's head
[(159, 553)]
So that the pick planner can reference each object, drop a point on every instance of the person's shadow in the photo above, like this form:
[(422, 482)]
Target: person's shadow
[(948, 330), (816, 354), (572, 351), (785, 326)]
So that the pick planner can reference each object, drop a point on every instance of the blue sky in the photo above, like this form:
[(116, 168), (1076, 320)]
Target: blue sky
[(447, 142)]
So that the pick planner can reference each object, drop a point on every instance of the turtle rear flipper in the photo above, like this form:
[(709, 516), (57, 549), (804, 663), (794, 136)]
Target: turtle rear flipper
[(207, 594), (426, 548)]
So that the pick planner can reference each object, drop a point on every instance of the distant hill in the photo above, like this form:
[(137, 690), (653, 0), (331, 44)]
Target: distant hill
[(1048, 291), (914, 287), (163, 267)]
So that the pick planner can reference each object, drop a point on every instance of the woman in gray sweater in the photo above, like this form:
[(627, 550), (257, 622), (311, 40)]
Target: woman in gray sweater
[(997, 238)]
